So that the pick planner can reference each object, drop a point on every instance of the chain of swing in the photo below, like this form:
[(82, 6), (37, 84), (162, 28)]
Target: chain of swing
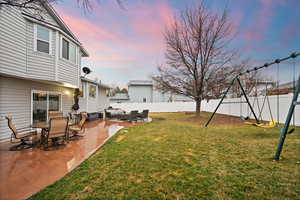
[(266, 101)]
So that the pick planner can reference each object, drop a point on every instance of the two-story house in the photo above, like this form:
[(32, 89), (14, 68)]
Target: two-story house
[(40, 66)]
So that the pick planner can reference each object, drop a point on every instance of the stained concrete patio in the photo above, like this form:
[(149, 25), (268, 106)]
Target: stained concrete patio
[(23, 173)]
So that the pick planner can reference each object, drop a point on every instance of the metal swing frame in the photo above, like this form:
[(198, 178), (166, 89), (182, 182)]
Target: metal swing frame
[(285, 130), (277, 61), (224, 95)]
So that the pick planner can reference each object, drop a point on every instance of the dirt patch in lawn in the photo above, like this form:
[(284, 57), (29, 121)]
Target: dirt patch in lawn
[(218, 119), (120, 138)]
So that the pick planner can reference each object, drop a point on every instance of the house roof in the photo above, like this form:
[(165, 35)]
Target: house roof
[(120, 96), (63, 26), (140, 82), (287, 85), (95, 82)]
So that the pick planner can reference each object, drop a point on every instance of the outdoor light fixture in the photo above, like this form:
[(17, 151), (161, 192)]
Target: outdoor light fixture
[(86, 71), (67, 92)]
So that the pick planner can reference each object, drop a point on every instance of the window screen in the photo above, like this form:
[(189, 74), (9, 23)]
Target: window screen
[(43, 39), (73, 53), (65, 49)]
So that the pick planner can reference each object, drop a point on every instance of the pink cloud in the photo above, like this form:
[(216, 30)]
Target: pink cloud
[(150, 21), (288, 35), (114, 42), (257, 31)]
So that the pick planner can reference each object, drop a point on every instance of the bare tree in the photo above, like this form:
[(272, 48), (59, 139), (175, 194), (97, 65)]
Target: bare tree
[(197, 53), (86, 5), (222, 79)]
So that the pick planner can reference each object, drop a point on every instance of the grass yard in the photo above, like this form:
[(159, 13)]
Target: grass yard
[(174, 157)]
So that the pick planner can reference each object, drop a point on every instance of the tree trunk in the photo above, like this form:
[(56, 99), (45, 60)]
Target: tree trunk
[(198, 106)]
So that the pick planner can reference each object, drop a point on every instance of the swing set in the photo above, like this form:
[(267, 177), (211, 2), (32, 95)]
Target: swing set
[(258, 119), (273, 123)]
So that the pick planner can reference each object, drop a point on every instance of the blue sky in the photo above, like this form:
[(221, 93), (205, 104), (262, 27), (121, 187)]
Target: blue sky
[(126, 44)]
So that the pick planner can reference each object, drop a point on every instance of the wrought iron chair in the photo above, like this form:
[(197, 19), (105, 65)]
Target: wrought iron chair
[(25, 135), (144, 115), (131, 117), (58, 128), (79, 129)]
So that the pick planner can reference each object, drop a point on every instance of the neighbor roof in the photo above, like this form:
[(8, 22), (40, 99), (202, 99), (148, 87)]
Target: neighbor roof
[(95, 82), (140, 82)]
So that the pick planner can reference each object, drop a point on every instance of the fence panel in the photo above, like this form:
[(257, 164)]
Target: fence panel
[(235, 109)]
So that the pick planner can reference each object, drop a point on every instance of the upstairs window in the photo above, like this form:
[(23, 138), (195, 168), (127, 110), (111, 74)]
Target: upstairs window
[(72, 53), (65, 49), (68, 50), (42, 39)]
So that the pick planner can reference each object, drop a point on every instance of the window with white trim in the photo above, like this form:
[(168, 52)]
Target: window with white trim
[(65, 49), (68, 50), (43, 37), (72, 53)]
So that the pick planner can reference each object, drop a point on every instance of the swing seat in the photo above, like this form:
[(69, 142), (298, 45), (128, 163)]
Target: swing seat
[(244, 118), (271, 124)]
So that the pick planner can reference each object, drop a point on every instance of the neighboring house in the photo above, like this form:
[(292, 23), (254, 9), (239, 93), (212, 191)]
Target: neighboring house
[(284, 88), (119, 98), (94, 96), (144, 91), (40, 66), (140, 91)]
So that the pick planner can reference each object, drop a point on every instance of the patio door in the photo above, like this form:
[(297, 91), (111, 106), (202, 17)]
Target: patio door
[(42, 103)]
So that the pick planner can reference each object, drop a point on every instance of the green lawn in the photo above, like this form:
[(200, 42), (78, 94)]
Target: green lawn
[(176, 158)]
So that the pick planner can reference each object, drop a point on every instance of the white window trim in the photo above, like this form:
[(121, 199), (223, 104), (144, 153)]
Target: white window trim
[(35, 39), (47, 93), (88, 90), (82, 85), (70, 43)]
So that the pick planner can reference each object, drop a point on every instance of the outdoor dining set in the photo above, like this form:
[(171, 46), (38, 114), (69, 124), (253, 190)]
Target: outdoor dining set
[(56, 131), (59, 129), (132, 116)]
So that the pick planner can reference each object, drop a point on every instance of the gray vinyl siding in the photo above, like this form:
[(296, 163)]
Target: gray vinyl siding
[(102, 99), (40, 65), (44, 14), (83, 100), (89, 104), (138, 92), (17, 55), (13, 42), (68, 72), (15, 101), (92, 102)]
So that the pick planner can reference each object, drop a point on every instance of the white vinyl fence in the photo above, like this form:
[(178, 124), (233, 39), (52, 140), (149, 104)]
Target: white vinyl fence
[(235, 109)]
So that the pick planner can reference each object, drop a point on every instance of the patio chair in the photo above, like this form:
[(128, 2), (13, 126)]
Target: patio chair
[(55, 114), (75, 118), (143, 115), (131, 117), (58, 127), (79, 129), (25, 135)]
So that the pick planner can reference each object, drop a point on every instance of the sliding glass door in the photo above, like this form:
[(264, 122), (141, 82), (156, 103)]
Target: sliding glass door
[(42, 103), (39, 107), (54, 102)]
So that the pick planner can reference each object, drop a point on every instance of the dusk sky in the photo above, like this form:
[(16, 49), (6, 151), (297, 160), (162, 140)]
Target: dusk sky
[(127, 44)]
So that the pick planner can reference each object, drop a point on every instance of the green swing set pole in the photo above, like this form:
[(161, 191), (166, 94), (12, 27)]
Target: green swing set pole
[(284, 130)]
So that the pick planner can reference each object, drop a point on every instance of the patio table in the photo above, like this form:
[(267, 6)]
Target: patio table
[(45, 125)]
